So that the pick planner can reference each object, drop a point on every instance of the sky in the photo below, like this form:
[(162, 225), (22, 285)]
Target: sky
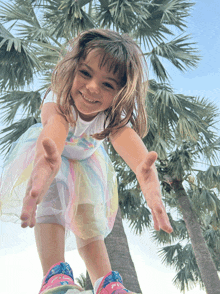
[(20, 271)]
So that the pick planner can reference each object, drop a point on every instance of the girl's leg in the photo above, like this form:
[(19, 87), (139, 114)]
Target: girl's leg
[(50, 240), (96, 259), (50, 230)]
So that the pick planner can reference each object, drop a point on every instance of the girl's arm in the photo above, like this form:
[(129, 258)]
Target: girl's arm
[(55, 127), (47, 162), (131, 148)]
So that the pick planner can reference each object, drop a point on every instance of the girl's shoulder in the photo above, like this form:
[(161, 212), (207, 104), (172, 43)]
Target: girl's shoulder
[(51, 97)]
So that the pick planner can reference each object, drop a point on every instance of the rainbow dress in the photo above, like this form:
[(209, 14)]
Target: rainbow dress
[(83, 196)]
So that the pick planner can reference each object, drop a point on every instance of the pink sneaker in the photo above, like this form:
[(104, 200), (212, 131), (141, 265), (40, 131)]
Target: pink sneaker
[(59, 279), (112, 284)]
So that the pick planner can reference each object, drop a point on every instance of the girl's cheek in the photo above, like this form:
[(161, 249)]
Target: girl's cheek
[(78, 81), (75, 84)]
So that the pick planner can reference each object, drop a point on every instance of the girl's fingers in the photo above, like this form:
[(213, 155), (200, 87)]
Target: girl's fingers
[(29, 205), (161, 220), (33, 218), (156, 224), (28, 215), (26, 208)]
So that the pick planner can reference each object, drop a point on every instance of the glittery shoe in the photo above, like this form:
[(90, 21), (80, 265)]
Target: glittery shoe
[(112, 284), (59, 279)]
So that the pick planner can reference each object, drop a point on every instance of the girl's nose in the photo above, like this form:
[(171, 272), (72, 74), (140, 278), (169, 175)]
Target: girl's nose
[(93, 86)]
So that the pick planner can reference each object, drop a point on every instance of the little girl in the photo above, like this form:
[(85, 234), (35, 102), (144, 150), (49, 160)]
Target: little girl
[(97, 92)]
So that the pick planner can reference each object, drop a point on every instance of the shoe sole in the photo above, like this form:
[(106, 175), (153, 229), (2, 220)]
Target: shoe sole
[(83, 292), (62, 290)]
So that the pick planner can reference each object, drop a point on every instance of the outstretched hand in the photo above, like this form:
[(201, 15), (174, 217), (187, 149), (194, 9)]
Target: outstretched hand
[(147, 177), (45, 169)]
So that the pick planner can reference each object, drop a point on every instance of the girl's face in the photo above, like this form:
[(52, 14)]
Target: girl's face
[(93, 89)]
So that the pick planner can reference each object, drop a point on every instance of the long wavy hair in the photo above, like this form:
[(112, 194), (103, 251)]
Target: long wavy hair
[(122, 57)]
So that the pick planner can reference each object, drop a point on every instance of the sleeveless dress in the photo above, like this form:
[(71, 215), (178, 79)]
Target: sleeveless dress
[(83, 196)]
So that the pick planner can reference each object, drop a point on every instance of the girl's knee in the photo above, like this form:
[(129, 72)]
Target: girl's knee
[(84, 246)]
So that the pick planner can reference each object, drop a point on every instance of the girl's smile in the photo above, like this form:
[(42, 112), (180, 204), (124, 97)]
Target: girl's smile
[(93, 88), (88, 100)]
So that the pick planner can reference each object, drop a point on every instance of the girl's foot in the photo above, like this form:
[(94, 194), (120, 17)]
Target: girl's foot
[(59, 279), (112, 284)]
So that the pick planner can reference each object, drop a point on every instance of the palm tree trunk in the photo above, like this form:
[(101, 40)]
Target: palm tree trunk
[(203, 257), (120, 258)]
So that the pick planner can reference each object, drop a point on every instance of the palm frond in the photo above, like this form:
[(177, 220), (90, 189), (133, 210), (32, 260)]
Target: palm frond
[(49, 54), (18, 61), (152, 34), (152, 30), (29, 101), (81, 281), (162, 18), (34, 32), (27, 24), (179, 52), (37, 3), (126, 14), (177, 115), (164, 106), (160, 145), (174, 12), (14, 132), (22, 10), (67, 18), (172, 255), (211, 177), (139, 219), (104, 16), (184, 279), (182, 258), (212, 236)]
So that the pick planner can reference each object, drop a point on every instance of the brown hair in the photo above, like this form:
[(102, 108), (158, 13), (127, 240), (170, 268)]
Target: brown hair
[(122, 56)]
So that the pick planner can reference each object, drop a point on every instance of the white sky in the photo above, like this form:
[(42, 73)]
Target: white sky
[(21, 273)]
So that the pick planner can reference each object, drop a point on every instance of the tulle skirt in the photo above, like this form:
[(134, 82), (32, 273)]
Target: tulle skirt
[(83, 196)]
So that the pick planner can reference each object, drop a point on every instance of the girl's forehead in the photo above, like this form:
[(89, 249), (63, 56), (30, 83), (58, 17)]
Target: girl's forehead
[(97, 55), (103, 60), (94, 54)]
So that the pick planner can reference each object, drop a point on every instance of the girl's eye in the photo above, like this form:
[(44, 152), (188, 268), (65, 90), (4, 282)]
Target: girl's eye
[(85, 73), (108, 85)]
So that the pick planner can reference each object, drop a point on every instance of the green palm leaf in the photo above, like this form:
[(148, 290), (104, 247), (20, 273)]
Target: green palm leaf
[(20, 10), (29, 101), (81, 281), (179, 52), (183, 259), (174, 12), (177, 115), (15, 131), (126, 14), (67, 18), (18, 61)]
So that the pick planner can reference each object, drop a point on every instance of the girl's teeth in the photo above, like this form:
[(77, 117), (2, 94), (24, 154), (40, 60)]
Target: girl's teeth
[(88, 99)]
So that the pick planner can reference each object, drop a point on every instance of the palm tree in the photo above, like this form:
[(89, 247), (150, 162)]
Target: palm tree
[(197, 140), (42, 30), (179, 123), (171, 127), (200, 205), (81, 281)]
